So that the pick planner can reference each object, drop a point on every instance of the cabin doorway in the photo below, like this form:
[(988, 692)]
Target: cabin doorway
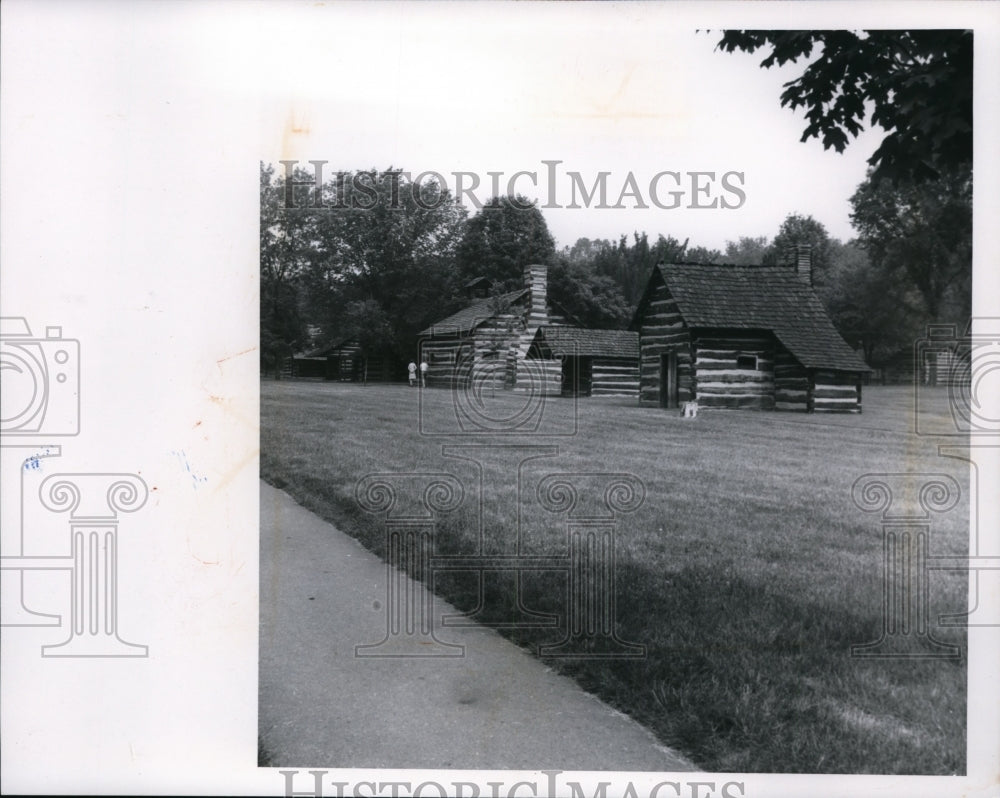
[(668, 380), (577, 376)]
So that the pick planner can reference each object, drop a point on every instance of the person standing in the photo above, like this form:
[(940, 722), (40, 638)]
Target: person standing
[(423, 373), (412, 369)]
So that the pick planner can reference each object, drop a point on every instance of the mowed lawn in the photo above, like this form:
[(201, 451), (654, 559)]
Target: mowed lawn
[(748, 572)]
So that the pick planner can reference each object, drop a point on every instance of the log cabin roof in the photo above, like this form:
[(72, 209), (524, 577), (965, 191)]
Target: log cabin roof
[(329, 349), (772, 298), (588, 343), (471, 316)]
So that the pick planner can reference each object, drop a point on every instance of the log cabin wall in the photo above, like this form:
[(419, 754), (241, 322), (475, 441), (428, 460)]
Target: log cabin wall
[(494, 349), (444, 357), (792, 383), (490, 353), (590, 362), (348, 358), (734, 370), (547, 374), (836, 392), (614, 377), (662, 330), (544, 376)]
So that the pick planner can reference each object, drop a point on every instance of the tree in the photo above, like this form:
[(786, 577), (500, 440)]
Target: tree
[(800, 230), (872, 308), (388, 241), (921, 233), (629, 265), (703, 255), (286, 248), (746, 251), (593, 299), (507, 234), (918, 85)]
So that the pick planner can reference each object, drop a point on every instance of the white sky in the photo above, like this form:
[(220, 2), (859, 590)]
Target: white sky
[(622, 88)]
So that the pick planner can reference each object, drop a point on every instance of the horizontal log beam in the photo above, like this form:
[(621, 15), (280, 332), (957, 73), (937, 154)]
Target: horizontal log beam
[(828, 393), (740, 402), (729, 344), (734, 378), (730, 368)]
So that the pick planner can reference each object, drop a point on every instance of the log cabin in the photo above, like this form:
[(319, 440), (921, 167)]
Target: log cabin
[(743, 337), (593, 362), (488, 340), (343, 362)]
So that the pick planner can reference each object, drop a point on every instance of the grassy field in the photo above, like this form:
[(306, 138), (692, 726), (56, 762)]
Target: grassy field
[(748, 572)]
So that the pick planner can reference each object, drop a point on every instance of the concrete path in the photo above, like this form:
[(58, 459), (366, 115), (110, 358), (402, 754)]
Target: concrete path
[(497, 707)]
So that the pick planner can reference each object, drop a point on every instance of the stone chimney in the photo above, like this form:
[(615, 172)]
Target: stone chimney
[(536, 279), (799, 258)]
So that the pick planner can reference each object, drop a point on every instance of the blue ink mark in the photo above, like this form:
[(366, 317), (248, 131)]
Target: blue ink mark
[(187, 467), (34, 463)]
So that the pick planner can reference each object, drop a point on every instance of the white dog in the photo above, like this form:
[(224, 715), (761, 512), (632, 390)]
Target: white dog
[(689, 410)]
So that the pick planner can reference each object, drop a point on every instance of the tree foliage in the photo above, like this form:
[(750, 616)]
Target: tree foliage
[(921, 233), (594, 300), (872, 308), (600, 282), (507, 234), (373, 258), (917, 86), (286, 249), (799, 230), (398, 253), (746, 250)]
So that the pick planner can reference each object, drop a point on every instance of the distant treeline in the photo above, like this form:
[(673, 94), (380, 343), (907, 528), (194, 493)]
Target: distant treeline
[(381, 273)]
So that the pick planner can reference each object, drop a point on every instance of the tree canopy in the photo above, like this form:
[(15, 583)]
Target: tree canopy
[(377, 270), (507, 234), (921, 233), (917, 86)]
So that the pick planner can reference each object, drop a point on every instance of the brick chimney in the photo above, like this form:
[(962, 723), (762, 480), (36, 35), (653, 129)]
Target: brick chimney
[(799, 258), (536, 279)]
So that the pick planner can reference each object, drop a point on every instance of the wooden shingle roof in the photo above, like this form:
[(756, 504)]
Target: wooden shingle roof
[(771, 298), (589, 343), (470, 317)]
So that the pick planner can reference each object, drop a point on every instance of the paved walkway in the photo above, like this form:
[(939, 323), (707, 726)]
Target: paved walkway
[(497, 707)]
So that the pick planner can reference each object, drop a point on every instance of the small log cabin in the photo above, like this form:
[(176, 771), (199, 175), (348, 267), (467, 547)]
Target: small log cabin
[(743, 337), (488, 341), (343, 362), (594, 362)]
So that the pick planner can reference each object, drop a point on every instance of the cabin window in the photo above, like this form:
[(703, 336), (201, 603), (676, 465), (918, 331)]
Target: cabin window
[(747, 362)]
